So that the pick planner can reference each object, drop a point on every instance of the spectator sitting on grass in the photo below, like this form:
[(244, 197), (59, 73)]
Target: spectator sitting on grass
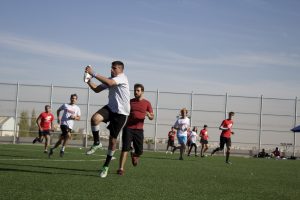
[(262, 154), (276, 153)]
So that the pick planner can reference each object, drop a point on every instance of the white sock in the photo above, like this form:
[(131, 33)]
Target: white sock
[(63, 148), (110, 152), (95, 128)]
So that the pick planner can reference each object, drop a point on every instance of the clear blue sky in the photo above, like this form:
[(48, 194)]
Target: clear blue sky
[(243, 47)]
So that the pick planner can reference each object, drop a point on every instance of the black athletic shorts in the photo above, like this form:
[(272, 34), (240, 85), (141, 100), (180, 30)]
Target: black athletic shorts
[(223, 141), (44, 132), (116, 121), (136, 136), (65, 130), (171, 143), (203, 141)]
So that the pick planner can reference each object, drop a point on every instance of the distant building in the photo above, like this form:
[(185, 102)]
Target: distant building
[(7, 126)]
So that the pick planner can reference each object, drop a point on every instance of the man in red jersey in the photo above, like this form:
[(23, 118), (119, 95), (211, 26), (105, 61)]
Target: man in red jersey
[(45, 124), (171, 136), (225, 137), (133, 131), (203, 140)]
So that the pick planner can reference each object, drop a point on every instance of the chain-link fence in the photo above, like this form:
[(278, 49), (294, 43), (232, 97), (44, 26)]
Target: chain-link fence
[(259, 122)]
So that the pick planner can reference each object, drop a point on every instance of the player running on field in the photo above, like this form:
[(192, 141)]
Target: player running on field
[(225, 137), (45, 124), (171, 139), (115, 112), (71, 112), (204, 140), (182, 125), (133, 132), (193, 140)]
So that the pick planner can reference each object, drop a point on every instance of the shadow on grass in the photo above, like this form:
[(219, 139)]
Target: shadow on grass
[(172, 157), (42, 167), (44, 172), (15, 156)]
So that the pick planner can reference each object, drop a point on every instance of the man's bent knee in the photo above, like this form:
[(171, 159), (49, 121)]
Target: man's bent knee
[(96, 119)]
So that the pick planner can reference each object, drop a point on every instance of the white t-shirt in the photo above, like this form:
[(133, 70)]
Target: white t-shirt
[(69, 110), (193, 137), (119, 95), (182, 125)]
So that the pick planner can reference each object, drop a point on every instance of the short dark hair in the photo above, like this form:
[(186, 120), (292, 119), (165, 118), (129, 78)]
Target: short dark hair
[(114, 63), (231, 113), (74, 95), (138, 85), (47, 106), (205, 126)]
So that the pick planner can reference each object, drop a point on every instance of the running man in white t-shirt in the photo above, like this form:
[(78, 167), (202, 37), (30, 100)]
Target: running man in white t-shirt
[(182, 124), (115, 112), (71, 112)]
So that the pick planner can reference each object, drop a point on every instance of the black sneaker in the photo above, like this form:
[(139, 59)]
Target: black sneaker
[(50, 153), (229, 163), (61, 154), (34, 141)]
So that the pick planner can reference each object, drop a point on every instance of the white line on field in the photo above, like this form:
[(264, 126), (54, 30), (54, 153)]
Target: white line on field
[(36, 159)]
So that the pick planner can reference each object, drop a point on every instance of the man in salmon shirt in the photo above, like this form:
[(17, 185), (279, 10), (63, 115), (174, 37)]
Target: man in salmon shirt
[(133, 132), (204, 140), (45, 124), (225, 137)]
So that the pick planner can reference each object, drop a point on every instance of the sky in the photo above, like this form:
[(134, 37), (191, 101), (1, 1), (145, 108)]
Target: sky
[(240, 47)]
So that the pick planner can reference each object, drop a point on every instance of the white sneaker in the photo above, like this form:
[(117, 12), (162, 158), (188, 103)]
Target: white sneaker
[(87, 77), (93, 149), (167, 152), (104, 172)]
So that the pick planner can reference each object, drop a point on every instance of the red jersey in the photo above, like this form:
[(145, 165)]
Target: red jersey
[(203, 134), (227, 123), (46, 119), (171, 135), (276, 153), (138, 109)]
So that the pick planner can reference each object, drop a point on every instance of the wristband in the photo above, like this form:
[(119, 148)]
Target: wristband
[(94, 74)]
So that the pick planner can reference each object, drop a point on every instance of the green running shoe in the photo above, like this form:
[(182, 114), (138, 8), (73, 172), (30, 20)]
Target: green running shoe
[(93, 149), (103, 172)]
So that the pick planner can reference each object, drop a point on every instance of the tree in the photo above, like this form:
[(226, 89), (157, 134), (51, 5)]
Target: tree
[(23, 124), (33, 126)]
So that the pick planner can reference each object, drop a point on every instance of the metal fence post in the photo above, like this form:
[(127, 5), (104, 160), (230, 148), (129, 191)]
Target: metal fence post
[(226, 105), (295, 124), (226, 102), (192, 94), (16, 131), (260, 123), (51, 95), (156, 117), (87, 118)]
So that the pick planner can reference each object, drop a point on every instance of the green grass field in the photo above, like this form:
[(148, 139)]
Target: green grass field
[(27, 173)]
